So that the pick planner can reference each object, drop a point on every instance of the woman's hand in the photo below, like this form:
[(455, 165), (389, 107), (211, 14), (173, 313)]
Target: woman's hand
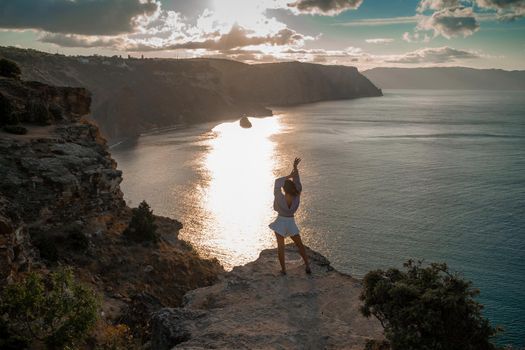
[(296, 163)]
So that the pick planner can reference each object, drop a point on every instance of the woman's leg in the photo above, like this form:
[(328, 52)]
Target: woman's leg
[(280, 251), (299, 243)]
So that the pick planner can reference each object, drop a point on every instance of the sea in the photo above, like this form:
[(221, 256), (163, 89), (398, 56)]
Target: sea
[(430, 175)]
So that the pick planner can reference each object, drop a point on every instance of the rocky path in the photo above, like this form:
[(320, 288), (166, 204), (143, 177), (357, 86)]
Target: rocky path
[(254, 307)]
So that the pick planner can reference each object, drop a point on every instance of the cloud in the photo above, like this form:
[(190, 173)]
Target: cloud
[(379, 40), (437, 4), (323, 7), (415, 37), (443, 54), (506, 9), (74, 40), (378, 21), (239, 37), (450, 22), (88, 17)]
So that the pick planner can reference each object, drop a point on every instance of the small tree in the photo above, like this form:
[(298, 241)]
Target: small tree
[(9, 69), (57, 311), (142, 226), (426, 308)]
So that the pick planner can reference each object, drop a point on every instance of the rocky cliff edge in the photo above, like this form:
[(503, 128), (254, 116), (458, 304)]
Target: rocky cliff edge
[(254, 307)]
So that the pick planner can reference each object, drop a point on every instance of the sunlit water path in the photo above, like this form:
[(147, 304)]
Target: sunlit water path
[(435, 175)]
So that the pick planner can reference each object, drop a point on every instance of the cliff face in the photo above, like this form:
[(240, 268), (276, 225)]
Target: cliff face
[(254, 307), (131, 96), (58, 172), (60, 202)]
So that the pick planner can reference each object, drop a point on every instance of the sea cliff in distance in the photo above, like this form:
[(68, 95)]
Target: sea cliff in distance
[(446, 78), (134, 95)]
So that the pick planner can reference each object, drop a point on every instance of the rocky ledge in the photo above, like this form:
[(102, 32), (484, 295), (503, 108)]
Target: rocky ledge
[(254, 307)]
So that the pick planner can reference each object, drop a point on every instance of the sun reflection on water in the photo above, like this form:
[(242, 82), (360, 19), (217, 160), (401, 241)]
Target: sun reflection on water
[(237, 195)]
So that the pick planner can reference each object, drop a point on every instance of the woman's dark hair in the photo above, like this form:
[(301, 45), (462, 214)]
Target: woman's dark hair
[(289, 187)]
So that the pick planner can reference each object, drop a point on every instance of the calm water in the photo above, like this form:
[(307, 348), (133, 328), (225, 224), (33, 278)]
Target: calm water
[(432, 175)]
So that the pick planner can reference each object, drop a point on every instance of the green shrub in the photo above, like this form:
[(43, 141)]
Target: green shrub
[(15, 129), (9, 69), (56, 311), (426, 308), (142, 226)]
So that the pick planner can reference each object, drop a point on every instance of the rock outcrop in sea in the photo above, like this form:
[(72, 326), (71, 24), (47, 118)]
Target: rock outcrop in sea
[(254, 307)]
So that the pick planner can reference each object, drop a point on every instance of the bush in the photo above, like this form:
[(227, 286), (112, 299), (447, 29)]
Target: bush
[(57, 310), (117, 337), (426, 308), (9, 69), (142, 226)]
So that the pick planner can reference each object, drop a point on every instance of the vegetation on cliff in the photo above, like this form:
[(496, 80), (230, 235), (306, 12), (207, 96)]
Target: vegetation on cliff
[(142, 226), (425, 308), (55, 310), (9, 69)]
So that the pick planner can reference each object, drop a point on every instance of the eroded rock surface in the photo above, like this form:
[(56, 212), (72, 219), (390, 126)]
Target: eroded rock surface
[(254, 307)]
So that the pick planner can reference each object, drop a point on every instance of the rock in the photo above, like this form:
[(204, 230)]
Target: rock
[(245, 123), (171, 327), (16, 252), (61, 172), (254, 307)]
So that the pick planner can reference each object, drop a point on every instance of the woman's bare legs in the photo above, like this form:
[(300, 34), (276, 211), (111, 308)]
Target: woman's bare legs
[(280, 251), (299, 243)]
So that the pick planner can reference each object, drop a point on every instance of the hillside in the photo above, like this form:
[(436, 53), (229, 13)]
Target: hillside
[(132, 95), (448, 78)]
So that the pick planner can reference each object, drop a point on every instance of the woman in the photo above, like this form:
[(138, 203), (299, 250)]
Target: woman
[(286, 205)]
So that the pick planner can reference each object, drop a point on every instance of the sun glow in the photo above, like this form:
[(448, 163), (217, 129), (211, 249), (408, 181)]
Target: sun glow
[(247, 14), (238, 192)]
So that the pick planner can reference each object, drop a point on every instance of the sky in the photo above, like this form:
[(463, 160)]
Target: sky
[(361, 33)]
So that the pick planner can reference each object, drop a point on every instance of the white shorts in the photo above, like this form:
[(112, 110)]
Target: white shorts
[(285, 226)]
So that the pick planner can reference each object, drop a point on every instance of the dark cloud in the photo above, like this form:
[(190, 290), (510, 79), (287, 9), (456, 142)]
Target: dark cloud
[(451, 22), (88, 17), (324, 7), (237, 37), (434, 55), (72, 40), (506, 9)]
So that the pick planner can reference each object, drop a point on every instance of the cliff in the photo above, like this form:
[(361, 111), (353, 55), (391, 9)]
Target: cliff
[(446, 78), (61, 204), (131, 96), (254, 307)]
